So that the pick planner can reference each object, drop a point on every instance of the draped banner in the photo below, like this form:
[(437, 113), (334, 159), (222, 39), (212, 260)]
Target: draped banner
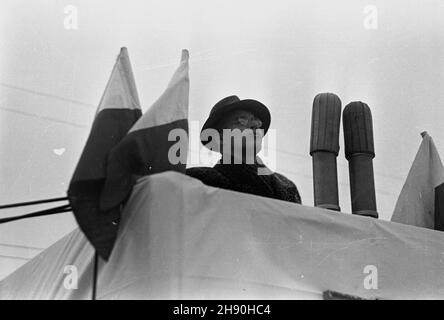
[(181, 239)]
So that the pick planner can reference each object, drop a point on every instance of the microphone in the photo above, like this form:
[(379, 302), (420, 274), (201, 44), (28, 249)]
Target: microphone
[(360, 151), (324, 148)]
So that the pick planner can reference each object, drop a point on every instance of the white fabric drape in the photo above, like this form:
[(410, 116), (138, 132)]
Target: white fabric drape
[(182, 239)]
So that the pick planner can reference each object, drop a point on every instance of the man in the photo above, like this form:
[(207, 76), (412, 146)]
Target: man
[(240, 169)]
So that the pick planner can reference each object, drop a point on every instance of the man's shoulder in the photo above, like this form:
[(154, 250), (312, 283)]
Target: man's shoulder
[(283, 179), (291, 191)]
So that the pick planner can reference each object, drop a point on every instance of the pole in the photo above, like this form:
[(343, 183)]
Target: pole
[(95, 271)]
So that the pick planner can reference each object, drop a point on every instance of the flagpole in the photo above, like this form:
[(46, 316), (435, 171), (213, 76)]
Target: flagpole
[(95, 269)]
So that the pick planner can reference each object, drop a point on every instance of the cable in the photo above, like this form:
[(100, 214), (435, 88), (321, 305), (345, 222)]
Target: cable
[(308, 158), (29, 114), (56, 210), (47, 95), (29, 203)]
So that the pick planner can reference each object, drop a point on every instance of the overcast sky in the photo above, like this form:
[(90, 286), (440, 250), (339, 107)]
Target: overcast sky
[(279, 52)]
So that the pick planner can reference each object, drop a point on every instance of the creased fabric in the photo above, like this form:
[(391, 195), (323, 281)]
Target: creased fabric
[(182, 239)]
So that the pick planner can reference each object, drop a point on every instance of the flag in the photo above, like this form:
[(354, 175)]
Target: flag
[(421, 202), (157, 142), (118, 110)]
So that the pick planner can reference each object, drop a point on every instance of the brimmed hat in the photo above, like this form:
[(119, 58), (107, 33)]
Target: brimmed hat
[(231, 103)]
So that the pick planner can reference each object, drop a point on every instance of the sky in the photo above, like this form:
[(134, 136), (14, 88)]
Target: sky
[(281, 53)]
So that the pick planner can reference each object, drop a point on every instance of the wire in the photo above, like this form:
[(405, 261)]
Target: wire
[(47, 95), (56, 210), (307, 157), (29, 203), (29, 114), (90, 105)]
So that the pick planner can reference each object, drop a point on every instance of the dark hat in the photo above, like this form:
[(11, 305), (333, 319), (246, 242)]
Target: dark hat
[(230, 103)]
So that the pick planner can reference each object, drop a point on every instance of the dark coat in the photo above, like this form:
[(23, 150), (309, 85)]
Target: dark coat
[(244, 178)]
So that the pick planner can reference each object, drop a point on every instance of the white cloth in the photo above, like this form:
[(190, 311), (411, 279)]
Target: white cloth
[(416, 202), (182, 239)]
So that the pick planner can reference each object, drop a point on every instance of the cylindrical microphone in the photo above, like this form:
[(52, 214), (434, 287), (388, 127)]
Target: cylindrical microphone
[(324, 148), (360, 151)]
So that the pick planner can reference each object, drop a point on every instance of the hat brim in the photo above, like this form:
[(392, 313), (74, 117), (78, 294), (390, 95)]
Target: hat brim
[(254, 106)]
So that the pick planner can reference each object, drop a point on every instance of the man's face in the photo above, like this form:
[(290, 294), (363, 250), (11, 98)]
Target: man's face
[(246, 123)]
